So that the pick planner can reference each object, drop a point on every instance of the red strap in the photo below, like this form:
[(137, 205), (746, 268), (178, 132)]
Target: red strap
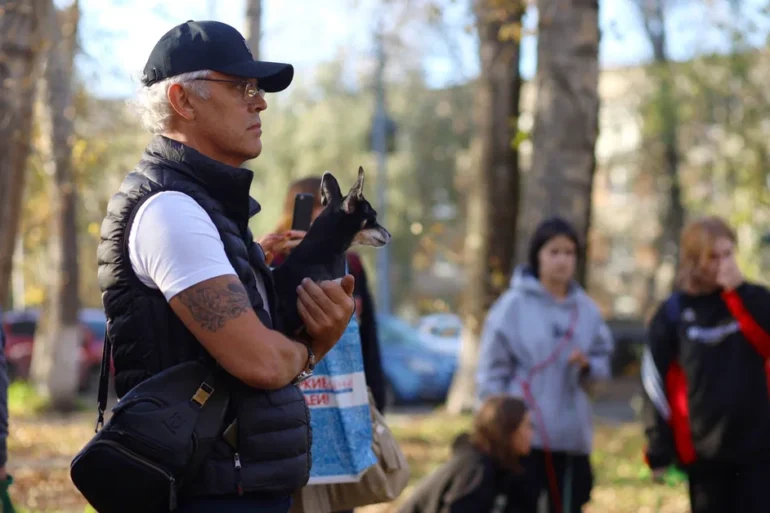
[(676, 392), (354, 263), (753, 332)]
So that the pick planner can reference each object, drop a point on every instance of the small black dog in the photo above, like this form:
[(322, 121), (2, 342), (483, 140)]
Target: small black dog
[(320, 256)]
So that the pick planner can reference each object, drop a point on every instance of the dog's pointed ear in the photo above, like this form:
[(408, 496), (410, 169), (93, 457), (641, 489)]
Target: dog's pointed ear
[(356, 193), (358, 188), (330, 190)]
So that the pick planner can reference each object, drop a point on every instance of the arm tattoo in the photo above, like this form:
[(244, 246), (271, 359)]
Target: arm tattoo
[(212, 306)]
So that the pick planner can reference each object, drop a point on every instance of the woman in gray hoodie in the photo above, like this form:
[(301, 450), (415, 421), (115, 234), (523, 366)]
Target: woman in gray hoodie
[(545, 341)]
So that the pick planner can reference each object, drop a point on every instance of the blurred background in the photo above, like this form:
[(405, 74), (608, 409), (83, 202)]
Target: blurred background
[(474, 119)]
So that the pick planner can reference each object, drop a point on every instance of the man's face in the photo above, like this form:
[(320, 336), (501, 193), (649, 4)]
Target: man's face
[(228, 121)]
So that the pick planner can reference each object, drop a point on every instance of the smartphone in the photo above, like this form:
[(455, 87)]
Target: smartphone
[(303, 211)]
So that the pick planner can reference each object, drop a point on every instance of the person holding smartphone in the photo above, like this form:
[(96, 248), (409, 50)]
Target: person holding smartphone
[(301, 206), (705, 376)]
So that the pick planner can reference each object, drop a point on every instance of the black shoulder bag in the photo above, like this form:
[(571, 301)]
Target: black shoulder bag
[(155, 441)]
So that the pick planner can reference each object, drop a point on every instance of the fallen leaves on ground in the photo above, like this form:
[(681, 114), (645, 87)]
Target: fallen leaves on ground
[(39, 453), (41, 448)]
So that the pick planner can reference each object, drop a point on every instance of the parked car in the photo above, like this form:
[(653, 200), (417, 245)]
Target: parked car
[(441, 332), (414, 371), (20, 327)]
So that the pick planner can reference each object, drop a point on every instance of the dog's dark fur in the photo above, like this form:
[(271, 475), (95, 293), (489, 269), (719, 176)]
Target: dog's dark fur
[(346, 220)]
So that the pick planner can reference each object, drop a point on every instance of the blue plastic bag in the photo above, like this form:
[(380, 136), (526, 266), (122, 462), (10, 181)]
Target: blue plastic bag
[(339, 413)]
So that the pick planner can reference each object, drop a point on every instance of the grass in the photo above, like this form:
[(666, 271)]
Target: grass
[(41, 448), (24, 401), (623, 482)]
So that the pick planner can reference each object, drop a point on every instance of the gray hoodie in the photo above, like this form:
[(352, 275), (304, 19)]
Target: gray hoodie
[(523, 328)]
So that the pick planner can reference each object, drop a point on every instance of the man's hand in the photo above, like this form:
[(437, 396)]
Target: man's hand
[(729, 275), (578, 358), (326, 309), (279, 243)]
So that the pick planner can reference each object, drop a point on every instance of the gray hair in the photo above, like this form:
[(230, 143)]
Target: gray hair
[(152, 106)]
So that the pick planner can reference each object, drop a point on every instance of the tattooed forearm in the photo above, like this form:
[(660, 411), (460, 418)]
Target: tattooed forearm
[(212, 306)]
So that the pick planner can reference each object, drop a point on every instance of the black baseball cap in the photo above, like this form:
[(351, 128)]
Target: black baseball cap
[(203, 45)]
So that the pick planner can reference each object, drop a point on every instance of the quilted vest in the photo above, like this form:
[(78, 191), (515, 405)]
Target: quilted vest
[(274, 431)]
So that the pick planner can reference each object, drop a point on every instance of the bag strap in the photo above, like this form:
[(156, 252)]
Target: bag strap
[(104, 378), (209, 427), (216, 378)]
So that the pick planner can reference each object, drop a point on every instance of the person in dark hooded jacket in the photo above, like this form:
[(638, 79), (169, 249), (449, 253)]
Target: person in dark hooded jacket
[(483, 475)]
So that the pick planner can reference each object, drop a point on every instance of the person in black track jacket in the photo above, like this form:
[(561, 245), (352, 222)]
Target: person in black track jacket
[(705, 377), (484, 474)]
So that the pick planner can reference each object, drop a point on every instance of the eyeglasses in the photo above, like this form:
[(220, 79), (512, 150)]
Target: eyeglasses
[(250, 89)]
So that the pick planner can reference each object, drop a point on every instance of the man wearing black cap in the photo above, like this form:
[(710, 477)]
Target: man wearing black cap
[(182, 277)]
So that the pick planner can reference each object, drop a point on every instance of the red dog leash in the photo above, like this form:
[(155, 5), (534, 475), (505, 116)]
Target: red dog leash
[(553, 483)]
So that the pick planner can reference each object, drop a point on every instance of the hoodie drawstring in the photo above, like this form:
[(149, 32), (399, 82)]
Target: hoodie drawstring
[(553, 482)]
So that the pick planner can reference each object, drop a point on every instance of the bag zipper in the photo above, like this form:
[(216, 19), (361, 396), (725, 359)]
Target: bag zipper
[(142, 440), (172, 502), (238, 483)]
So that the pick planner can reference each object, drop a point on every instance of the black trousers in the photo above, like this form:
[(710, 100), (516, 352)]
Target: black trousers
[(726, 489), (575, 468)]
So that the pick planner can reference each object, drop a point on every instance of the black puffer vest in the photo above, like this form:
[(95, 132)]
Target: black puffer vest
[(274, 430)]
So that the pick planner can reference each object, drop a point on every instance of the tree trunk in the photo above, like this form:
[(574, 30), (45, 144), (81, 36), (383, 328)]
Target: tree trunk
[(58, 338), (20, 51), (673, 215), (254, 26), (493, 188), (566, 120)]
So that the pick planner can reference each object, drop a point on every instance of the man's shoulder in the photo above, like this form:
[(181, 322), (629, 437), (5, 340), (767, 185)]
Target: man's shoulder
[(150, 175), (171, 209)]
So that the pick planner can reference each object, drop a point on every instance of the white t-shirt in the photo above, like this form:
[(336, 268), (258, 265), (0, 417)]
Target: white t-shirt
[(173, 245)]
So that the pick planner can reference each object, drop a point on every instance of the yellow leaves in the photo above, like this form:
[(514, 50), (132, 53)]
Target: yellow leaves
[(88, 153), (497, 279), (79, 149), (504, 13), (41, 449), (34, 295), (94, 229), (510, 32)]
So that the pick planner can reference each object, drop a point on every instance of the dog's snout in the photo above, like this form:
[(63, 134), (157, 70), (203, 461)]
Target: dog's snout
[(385, 234)]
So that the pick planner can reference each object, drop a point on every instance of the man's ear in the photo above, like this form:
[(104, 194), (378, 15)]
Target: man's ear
[(179, 99)]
